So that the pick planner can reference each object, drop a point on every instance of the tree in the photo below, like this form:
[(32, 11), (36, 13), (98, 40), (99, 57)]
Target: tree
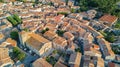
[(14, 35), (63, 13), (55, 51), (60, 32), (73, 10), (110, 38), (116, 49), (36, 1), (17, 18), (66, 1), (26, 29), (117, 26), (13, 22), (47, 29), (103, 33), (104, 6), (77, 50), (17, 54), (1, 0), (51, 3), (14, 19), (43, 31)]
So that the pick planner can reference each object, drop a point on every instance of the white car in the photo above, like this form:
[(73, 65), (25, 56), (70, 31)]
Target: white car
[(30, 51), (25, 49)]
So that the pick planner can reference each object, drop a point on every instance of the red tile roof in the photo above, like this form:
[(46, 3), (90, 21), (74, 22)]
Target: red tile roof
[(109, 18)]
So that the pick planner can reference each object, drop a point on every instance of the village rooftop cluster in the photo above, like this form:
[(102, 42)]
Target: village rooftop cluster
[(53, 34)]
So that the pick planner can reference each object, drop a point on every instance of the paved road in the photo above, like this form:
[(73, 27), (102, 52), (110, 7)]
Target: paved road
[(29, 59)]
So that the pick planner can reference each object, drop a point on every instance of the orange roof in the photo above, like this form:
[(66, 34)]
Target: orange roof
[(109, 18), (4, 56), (58, 64), (38, 37), (1, 36), (41, 63), (50, 34), (96, 47), (68, 35), (60, 41), (65, 24), (12, 42)]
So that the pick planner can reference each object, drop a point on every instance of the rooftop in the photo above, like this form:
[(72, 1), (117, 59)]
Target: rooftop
[(50, 34), (109, 18), (68, 35), (41, 63), (75, 59), (1, 36), (59, 40), (11, 41), (36, 41), (4, 56), (59, 64)]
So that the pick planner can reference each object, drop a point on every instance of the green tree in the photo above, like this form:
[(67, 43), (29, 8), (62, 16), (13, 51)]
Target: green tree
[(63, 13), (13, 22), (17, 54), (60, 32), (105, 6), (47, 29), (14, 35), (43, 31), (103, 33), (66, 1), (77, 50), (55, 51), (51, 3), (117, 26), (26, 29), (110, 38), (14, 19), (36, 1), (17, 18), (1, 0), (73, 10)]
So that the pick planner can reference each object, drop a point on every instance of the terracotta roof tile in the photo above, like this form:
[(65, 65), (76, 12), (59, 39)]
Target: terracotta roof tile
[(109, 18)]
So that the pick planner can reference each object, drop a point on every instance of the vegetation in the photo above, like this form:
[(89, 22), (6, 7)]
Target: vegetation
[(55, 52), (1, 0), (14, 19), (63, 13), (109, 36), (60, 32), (117, 25), (51, 3), (116, 49), (36, 1), (13, 22), (104, 6), (26, 29), (17, 54), (43, 31), (73, 10), (66, 1), (51, 60), (77, 50), (22, 0), (103, 33), (32, 1), (14, 35)]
